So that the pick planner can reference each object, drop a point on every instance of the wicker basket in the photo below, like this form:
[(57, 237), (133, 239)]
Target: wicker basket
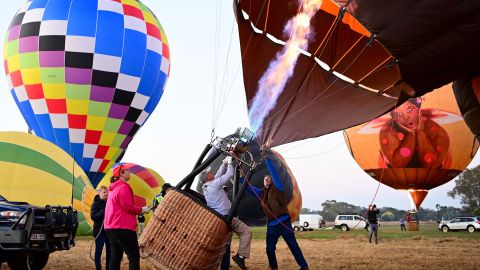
[(184, 234)]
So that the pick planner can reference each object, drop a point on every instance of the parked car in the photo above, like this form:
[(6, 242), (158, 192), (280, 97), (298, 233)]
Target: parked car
[(28, 234), (348, 222), (309, 222), (470, 224)]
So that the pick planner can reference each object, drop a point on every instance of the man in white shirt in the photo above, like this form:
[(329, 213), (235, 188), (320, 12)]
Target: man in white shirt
[(217, 199)]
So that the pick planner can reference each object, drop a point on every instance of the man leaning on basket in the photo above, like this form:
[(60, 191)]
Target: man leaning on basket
[(217, 199)]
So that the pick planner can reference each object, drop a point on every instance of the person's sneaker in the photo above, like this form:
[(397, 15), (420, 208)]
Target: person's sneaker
[(240, 262)]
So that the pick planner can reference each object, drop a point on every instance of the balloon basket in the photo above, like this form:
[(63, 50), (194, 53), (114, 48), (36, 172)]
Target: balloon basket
[(184, 234), (413, 226)]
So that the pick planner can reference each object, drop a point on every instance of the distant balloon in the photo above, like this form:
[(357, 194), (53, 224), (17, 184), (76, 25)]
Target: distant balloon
[(145, 182), (40, 173), (420, 145), (86, 75)]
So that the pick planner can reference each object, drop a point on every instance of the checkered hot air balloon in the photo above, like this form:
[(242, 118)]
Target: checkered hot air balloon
[(86, 74)]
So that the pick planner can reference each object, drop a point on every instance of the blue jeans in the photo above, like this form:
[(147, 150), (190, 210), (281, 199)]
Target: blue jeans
[(373, 231), (99, 242), (285, 230)]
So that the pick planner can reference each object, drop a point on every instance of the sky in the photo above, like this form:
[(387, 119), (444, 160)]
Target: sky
[(204, 49)]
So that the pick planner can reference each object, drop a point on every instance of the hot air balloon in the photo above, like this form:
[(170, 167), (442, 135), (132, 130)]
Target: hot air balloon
[(41, 173), (86, 75), (250, 210), (434, 42), (467, 93), (145, 183), (422, 144), (342, 71)]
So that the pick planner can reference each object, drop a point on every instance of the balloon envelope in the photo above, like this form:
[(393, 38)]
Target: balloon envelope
[(467, 93), (420, 145), (145, 183), (435, 41), (40, 173), (86, 75), (336, 81)]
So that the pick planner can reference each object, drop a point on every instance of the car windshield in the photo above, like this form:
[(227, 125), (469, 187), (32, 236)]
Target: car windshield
[(2, 199)]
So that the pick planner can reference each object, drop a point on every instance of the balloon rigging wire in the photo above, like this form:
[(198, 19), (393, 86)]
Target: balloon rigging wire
[(224, 81), (215, 62), (215, 122), (303, 82)]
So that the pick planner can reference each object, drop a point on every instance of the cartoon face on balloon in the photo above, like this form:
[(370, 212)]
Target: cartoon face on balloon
[(420, 145), (86, 75)]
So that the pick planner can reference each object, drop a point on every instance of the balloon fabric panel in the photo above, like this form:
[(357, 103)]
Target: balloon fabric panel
[(41, 173), (86, 75)]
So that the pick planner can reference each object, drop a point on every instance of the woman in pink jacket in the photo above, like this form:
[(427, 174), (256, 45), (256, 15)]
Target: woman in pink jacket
[(121, 220)]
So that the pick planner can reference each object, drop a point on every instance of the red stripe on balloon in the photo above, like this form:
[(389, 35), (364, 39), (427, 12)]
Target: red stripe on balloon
[(34, 91), (77, 121), (139, 201), (132, 11), (92, 136), (16, 78), (153, 31), (101, 151), (56, 105)]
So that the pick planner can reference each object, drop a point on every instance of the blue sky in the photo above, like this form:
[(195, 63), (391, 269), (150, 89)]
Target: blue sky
[(180, 127)]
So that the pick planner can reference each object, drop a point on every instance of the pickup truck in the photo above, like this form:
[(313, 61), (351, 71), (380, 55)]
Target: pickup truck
[(28, 234)]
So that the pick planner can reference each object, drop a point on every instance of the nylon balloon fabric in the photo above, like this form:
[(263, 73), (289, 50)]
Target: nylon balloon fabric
[(40, 173), (420, 145), (86, 75)]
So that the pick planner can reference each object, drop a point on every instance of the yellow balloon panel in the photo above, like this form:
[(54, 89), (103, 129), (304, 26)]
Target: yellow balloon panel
[(41, 173)]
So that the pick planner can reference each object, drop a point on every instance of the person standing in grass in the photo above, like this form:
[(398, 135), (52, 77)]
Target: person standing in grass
[(275, 208), (373, 221), (402, 224)]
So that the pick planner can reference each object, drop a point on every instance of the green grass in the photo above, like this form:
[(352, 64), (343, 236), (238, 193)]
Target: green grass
[(386, 231)]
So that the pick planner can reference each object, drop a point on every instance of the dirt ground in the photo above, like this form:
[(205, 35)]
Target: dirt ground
[(344, 253)]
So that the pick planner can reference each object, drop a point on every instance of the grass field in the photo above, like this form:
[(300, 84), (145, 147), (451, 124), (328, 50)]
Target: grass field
[(428, 248)]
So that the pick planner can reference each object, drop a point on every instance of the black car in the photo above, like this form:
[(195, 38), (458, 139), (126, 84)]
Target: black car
[(28, 234)]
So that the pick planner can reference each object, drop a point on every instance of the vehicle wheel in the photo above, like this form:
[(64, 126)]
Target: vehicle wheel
[(36, 261), (470, 229), (445, 229), (344, 228), (296, 228), (302, 228), (305, 224)]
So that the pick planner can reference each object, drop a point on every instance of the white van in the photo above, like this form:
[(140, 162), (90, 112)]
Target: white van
[(309, 222)]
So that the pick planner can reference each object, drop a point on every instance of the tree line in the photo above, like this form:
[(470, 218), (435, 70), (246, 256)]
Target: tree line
[(332, 208)]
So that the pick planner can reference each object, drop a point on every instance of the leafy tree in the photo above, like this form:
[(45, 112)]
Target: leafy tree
[(467, 188), (387, 216)]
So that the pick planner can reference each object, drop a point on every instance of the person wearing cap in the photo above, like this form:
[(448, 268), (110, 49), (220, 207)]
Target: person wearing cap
[(159, 197), (217, 200), (274, 206), (121, 221)]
